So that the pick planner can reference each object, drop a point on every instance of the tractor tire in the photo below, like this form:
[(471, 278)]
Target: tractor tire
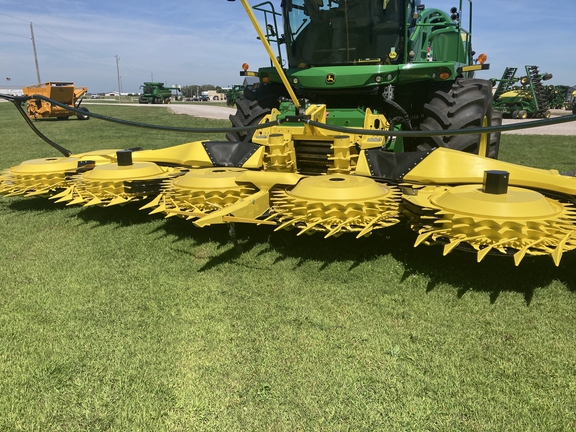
[(253, 107), (494, 143), (248, 113), (468, 104), (83, 116)]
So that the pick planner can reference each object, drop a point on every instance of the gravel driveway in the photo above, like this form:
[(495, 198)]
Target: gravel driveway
[(566, 129), (206, 111)]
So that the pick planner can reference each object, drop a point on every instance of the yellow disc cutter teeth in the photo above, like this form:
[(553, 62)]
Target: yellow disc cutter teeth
[(336, 204), (199, 192), (117, 183), (518, 222), (41, 177)]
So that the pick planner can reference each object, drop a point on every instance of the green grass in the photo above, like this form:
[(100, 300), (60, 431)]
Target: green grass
[(114, 320)]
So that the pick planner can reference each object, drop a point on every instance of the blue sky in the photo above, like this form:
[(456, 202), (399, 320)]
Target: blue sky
[(206, 41)]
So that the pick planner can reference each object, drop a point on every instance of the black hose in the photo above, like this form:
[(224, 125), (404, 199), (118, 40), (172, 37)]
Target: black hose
[(17, 101), (144, 125), (300, 119), (448, 132)]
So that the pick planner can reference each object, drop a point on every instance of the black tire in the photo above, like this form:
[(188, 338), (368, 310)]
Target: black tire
[(267, 95), (248, 113), (468, 104), (253, 107), (494, 146), (83, 116)]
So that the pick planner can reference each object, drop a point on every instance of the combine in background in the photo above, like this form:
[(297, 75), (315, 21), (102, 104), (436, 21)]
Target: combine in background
[(156, 93)]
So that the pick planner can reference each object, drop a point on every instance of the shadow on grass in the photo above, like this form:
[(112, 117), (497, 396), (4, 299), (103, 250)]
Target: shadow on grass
[(495, 274), (492, 276), (126, 215), (40, 205)]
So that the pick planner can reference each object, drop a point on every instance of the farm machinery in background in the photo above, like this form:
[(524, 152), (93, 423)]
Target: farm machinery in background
[(376, 119), (156, 93), (523, 97), (570, 101), (237, 91), (63, 92), (560, 97)]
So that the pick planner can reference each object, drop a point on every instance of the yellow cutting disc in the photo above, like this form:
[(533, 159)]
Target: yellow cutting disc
[(42, 177), (520, 222), (111, 184), (336, 204), (200, 191)]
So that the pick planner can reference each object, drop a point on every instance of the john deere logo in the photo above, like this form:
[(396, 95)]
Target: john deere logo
[(330, 79)]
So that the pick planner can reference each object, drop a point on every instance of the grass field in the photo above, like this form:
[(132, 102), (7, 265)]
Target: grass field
[(114, 320)]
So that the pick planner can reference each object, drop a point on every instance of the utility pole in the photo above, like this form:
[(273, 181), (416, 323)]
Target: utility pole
[(118, 74), (35, 55), (151, 76)]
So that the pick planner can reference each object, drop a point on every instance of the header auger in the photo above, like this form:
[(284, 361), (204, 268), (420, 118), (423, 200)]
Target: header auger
[(360, 142)]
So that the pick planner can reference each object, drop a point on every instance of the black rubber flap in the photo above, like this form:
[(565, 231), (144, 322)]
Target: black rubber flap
[(392, 165), (229, 153)]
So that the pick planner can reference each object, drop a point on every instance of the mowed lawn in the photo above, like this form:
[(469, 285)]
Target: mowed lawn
[(115, 320)]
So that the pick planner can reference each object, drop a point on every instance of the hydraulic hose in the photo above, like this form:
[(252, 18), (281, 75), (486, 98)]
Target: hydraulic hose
[(448, 132), (18, 100), (142, 125)]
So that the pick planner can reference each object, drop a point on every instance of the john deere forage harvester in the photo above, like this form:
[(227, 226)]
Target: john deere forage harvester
[(410, 65), (375, 120)]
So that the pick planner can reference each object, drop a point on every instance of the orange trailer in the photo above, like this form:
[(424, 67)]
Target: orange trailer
[(63, 92)]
